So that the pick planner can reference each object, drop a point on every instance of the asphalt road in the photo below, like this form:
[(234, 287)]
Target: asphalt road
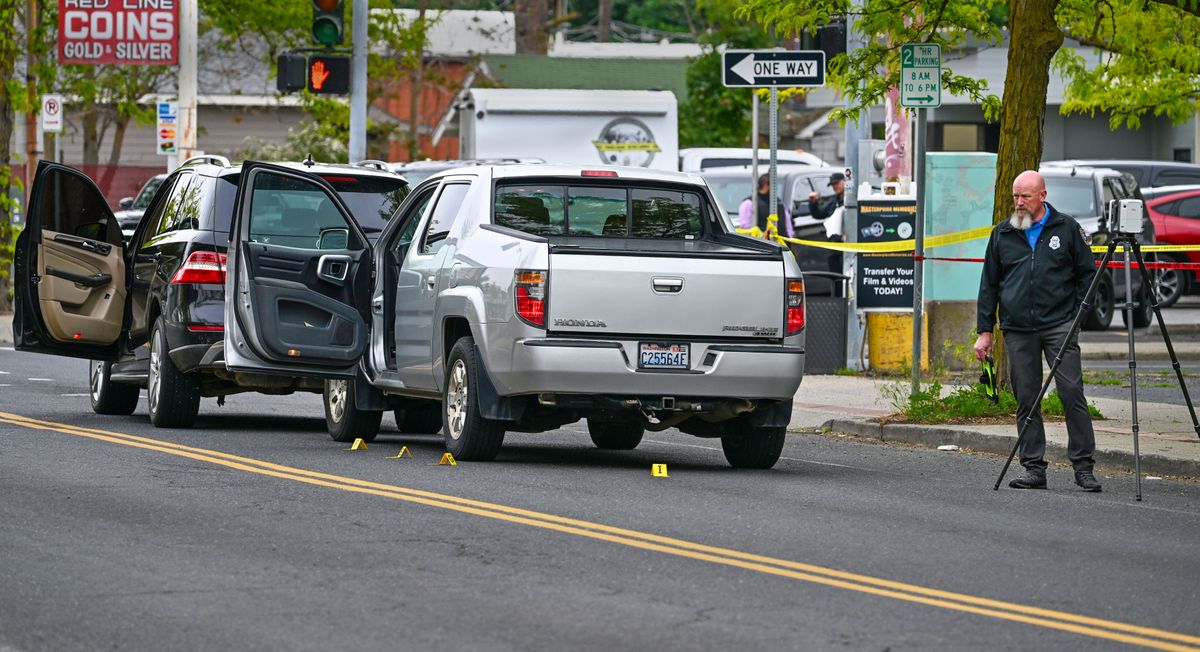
[(254, 531)]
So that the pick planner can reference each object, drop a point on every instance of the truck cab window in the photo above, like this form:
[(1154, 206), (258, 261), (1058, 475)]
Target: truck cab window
[(445, 212)]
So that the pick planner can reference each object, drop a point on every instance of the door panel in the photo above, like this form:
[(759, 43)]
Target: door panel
[(81, 293), (299, 278), (70, 270)]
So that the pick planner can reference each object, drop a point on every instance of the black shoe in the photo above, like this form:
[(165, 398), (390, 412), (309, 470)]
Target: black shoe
[(1087, 481), (1030, 480)]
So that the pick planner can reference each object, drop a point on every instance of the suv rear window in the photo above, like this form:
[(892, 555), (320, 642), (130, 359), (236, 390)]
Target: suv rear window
[(599, 210), (371, 200)]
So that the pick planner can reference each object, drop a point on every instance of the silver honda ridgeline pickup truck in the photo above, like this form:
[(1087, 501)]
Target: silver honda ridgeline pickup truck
[(521, 298)]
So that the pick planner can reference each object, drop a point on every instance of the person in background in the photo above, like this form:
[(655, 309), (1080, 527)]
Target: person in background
[(763, 197), (822, 209)]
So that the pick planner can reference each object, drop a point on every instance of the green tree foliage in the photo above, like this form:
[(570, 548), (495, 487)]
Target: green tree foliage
[(716, 116)]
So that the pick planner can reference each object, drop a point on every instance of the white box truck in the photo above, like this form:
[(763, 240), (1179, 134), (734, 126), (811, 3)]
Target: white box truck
[(579, 127)]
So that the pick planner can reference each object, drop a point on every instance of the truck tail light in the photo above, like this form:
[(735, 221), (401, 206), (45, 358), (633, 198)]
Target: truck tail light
[(531, 296), (795, 305), (202, 267)]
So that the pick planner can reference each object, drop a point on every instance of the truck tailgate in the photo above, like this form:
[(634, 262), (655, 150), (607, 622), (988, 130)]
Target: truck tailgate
[(668, 296)]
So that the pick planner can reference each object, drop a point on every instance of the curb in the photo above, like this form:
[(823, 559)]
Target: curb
[(934, 436)]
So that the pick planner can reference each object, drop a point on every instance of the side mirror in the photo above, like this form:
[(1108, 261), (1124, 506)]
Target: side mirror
[(333, 238), (126, 203)]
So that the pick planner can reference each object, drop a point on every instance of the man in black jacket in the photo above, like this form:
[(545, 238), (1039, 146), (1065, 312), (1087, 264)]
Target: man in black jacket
[(1037, 268)]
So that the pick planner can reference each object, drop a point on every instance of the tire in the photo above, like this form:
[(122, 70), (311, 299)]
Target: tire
[(469, 436), (173, 397), (1103, 306), (425, 418), (753, 448), (109, 397), (1172, 284), (1143, 312), (344, 421), (615, 436)]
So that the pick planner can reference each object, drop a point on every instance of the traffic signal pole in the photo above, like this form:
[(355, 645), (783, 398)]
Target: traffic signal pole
[(358, 82)]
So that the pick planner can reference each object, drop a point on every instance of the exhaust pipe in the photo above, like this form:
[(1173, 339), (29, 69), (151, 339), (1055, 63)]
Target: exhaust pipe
[(727, 409)]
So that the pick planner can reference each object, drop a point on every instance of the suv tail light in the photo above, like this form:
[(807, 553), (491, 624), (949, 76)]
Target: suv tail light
[(202, 267), (795, 306), (531, 296)]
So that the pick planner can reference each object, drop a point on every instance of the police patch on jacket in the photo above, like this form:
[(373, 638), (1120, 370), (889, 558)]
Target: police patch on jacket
[(1084, 235), (1054, 243)]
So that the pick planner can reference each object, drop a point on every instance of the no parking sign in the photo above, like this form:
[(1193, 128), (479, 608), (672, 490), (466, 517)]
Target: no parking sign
[(52, 113)]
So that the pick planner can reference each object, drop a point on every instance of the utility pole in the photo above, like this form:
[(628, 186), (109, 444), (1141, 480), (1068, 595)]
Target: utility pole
[(189, 21), (33, 150), (358, 83), (855, 132)]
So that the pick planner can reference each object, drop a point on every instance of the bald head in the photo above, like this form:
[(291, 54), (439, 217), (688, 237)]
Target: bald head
[(1029, 196)]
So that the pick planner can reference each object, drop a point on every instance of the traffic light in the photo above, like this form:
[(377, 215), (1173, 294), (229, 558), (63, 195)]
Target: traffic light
[(329, 74), (292, 73), (328, 22)]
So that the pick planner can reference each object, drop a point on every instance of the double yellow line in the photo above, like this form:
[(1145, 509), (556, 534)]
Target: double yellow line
[(1083, 625)]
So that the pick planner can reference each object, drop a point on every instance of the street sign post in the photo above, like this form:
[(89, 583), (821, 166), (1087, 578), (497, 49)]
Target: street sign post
[(52, 113), (920, 88), (764, 68), (921, 75)]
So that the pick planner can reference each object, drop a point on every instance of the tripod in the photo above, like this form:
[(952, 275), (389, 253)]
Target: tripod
[(1129, 243)]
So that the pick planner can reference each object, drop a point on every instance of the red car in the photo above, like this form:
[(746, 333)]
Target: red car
[(1175, 211)]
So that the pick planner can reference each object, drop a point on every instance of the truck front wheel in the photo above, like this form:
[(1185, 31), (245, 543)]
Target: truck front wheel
[(344, 421), (469, 436), (753, 448)]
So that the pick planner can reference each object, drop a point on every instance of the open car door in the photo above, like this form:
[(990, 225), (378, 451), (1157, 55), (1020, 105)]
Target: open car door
[(299, 279), (70, 270)]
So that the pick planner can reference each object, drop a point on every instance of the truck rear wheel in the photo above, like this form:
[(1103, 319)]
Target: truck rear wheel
[(469, 436), (344, 421), (615, 436), (753, 448)]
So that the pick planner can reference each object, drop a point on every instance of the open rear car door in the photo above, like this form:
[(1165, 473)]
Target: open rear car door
[(299, 280), (70, 270)]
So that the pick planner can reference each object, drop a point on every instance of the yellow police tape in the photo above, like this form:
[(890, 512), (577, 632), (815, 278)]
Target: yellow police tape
[(904, 246)]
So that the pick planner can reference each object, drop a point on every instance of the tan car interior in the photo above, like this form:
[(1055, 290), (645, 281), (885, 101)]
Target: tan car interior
[(81, 292)]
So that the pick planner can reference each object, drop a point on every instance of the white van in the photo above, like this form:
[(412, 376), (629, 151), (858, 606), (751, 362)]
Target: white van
[(568, 126), (695, 159)]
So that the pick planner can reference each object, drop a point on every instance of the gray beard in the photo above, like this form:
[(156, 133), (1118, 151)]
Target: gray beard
[(1022, 221)]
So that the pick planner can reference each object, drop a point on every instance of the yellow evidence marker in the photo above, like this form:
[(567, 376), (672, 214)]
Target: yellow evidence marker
[(403, 451), (358, 445), (447, 458), (659, 470)]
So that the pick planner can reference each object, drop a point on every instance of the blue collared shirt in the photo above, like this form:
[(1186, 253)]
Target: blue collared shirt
[(1035, 231)]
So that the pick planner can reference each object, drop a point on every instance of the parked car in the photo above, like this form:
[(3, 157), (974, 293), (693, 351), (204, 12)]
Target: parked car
[(523, 298), (1083, 193), (149, 312), (732, 185), (1148, 174), (133, 207), (695, 159), (1175, 211), (417, 171)]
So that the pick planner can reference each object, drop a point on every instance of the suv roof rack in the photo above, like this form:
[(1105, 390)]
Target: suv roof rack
[(373, 163), (216, 159)]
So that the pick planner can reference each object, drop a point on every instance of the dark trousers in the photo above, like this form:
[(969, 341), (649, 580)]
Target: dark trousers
[(1025, 353)]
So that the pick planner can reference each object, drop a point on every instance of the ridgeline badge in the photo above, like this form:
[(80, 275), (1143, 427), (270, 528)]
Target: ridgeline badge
[(626, 141)]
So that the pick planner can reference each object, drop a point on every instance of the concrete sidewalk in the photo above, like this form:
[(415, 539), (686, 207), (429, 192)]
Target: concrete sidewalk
[(853, 404)]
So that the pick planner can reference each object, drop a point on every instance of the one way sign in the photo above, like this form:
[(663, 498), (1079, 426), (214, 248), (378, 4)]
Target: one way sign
[(773, 68)]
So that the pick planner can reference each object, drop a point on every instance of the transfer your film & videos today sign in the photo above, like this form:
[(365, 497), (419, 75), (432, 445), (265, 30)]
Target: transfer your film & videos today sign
[(885, 281), (127, 32)]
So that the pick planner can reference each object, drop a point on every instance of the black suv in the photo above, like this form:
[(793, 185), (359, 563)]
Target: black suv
[(150, 312)]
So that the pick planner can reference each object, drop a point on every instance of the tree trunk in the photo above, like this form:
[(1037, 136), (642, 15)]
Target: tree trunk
[(7, 125), (604, 21), (114, 155), (1034, 37), (530, 17)]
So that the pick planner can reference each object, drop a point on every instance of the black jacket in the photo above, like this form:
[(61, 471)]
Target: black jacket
[(1035, 288), (821, 209)]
